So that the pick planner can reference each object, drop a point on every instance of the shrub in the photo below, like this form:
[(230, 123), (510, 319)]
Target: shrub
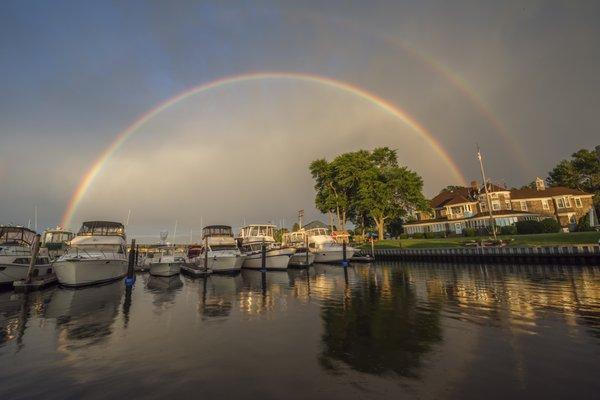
[(584, 224), (529, 227), (430, 235), (550, 225), (418, 236), (469, 232), (508, 230), (403, 236)]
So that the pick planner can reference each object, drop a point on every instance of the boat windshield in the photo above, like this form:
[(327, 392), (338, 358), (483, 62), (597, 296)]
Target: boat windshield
[(57, 237), (16, 236), (223, 247), (217, 230), (101, 228), (318, 232), (258, 230)]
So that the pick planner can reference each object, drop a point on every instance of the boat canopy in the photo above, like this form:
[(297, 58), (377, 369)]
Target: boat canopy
[(318, 232), (101, 228), (16, 236), (217, 230), (258, 230), (57, 236)]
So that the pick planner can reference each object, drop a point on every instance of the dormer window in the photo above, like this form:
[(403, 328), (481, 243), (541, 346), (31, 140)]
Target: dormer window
[(578, 203)]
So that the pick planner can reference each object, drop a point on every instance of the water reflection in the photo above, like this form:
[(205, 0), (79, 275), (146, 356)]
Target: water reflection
[(84, 316), (377, 326), (380, 330)]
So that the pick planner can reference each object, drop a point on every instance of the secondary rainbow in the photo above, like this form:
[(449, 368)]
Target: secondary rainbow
[(92, 173)]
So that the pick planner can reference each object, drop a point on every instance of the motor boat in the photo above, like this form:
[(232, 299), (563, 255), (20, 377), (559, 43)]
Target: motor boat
[(16, 250), (166, 262), (56, 241), (298, 240), (252, 238), (97, 254), (325, 248), (220, 252)]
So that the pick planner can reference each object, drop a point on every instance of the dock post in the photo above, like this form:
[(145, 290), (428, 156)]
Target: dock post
[(372, 249), (344, 260), (137, 252), (33, 260), (130, 279), (263, 256), (307, 252), (206, 253)]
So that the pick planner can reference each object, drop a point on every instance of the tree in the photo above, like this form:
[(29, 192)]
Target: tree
[(296, 227), (581, 172), (451, 188)]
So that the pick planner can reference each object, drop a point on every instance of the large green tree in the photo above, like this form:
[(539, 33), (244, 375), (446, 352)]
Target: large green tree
[(581, 171), (367, 184)]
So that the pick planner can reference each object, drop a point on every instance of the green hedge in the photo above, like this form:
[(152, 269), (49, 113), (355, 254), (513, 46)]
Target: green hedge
[(469, 232), (550, 225), (508, 230)]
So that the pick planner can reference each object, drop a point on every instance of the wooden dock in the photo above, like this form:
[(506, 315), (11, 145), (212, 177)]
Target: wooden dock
[(569, 255)]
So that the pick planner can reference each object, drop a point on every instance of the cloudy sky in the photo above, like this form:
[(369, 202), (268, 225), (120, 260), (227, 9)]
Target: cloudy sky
[(519, 78)]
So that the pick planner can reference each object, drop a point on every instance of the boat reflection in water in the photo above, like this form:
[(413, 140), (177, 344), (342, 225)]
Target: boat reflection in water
[(219, 294), (85, 316), (164, 290)]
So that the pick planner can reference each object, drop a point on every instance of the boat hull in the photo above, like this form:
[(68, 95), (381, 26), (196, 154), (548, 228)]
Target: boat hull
[(278, 259), (299, 260), (224, 264), (15, 272), (89, 272), (165, 269), (333, 256)]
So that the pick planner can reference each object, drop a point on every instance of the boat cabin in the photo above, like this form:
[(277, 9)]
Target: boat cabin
[(16, 236), (217, 230), (101, 228), (56, 237), (267, 231)]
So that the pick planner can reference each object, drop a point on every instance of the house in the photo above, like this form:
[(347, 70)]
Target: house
[(454, 210)]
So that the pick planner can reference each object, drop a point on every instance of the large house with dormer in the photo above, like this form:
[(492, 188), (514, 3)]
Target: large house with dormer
[(453, 211)]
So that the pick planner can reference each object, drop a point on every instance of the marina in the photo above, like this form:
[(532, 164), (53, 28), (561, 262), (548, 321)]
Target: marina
[(382, 330)]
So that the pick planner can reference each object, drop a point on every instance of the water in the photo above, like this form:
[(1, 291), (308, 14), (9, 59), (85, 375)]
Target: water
[(379, 331)]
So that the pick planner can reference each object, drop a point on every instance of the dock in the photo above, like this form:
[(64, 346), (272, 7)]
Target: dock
[(194, 271), (568, 255), (36, 283)]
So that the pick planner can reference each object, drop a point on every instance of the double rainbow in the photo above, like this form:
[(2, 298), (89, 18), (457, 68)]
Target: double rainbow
[(403, 116)]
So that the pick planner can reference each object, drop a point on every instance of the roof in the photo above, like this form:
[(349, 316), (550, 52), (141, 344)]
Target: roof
[(104, 224), (529, 193), (447, 197), (492, 187), (217, 227)]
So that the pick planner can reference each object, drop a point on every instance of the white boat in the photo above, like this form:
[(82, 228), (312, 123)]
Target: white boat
[(56, 241), (165, 262), (298, 240), (325, 248), (97, 254), (251, 239), (16, 248), (220, 251)]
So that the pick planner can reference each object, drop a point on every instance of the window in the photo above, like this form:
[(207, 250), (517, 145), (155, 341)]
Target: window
[(567, 202), (508, 206), (495, 205), (578, 202), (560, 203), (545, 204), (523, 206), (468, 208)]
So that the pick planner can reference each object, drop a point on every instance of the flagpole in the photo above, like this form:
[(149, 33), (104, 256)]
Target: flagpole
[(487, 195)]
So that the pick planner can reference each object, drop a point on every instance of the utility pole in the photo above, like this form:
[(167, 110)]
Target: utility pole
[(487, 195)]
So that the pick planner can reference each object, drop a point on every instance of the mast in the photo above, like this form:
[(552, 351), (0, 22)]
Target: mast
[(487, 195)]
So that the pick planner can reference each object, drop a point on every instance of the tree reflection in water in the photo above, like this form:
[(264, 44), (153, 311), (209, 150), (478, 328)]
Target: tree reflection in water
[(379, 328)]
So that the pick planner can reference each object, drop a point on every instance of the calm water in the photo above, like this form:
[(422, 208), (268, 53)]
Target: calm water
[(379, 331)]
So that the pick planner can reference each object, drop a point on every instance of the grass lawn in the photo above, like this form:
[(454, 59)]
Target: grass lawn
[(544, 239)]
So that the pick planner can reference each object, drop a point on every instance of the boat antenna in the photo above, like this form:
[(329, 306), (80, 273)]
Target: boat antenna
[(128, 216), (174, 232), (487, 195), (35, 218)]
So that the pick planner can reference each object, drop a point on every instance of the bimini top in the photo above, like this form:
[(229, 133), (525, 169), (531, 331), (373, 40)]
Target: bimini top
[(101, 228), (217, 230), (16, 236)]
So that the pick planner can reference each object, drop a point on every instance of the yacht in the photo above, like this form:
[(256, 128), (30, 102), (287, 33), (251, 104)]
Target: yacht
[(251, 239), (97, 254), (223, 254), (165, 262), (298, 240), (325, 248), (56, 241), (16, 248)]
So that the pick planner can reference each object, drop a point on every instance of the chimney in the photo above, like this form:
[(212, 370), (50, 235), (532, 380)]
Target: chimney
[(540, 184)]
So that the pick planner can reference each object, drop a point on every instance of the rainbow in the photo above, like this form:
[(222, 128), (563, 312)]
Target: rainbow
[(87, 179)]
